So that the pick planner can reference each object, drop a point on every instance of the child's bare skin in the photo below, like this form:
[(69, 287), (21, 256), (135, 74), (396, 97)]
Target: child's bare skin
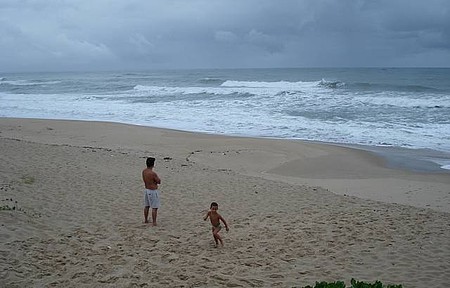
[(215, 222)]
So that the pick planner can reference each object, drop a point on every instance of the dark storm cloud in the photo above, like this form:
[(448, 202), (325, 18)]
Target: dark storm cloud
[(96, 35)]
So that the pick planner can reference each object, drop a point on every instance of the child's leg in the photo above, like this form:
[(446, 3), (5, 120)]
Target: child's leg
[(214, 235), (217, 236)]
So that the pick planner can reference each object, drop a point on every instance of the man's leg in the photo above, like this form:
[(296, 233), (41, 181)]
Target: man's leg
[(146, 214), (154, 214)]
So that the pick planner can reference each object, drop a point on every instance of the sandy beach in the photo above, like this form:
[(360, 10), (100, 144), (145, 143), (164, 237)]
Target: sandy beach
[(299, 212)]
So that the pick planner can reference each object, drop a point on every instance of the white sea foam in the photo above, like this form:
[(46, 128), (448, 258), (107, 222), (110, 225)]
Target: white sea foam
[(27, 82), (404, 99), (274, 86), (323, 110)]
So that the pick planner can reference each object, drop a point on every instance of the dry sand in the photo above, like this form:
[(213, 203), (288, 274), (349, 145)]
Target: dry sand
[(298, 212)]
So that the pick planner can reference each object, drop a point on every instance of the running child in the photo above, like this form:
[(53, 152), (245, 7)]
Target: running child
[(215, 222)]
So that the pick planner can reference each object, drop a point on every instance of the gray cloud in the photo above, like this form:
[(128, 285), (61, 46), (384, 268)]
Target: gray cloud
[(138, 34)]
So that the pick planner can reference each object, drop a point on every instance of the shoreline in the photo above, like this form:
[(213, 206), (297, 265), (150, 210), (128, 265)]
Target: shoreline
[(421, 160), (298, 212), (425, 160), (386, 174)]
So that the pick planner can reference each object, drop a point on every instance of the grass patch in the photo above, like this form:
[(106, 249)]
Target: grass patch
[(28, 179), (354, 283), (10, 205)]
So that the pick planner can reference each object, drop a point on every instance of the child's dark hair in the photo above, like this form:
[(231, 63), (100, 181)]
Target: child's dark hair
[(214, 204)]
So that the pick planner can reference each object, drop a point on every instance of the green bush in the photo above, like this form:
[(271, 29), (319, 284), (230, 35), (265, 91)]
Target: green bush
[(337, 284), (354, 283), (28, 179)]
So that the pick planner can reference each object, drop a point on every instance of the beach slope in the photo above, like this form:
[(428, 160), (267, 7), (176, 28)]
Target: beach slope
[(299, 212)]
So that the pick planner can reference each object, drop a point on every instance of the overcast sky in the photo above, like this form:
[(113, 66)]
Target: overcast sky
[(61, 35)]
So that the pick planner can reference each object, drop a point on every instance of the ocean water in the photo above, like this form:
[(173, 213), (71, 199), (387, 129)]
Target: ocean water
[(393, 107)]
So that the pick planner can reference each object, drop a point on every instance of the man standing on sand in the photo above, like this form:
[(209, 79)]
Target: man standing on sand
[(151, 193)]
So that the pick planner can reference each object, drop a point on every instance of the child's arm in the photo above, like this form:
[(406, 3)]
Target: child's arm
[(206, 216), (224, 222)]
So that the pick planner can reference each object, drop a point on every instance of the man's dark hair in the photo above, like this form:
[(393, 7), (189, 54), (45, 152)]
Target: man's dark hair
[(150, 162), (214, 204)]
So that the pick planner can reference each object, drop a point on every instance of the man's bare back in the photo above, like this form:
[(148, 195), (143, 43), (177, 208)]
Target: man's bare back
[(151, 179)]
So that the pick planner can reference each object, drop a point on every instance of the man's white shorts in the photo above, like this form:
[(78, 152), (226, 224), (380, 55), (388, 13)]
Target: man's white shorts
[(151, 198)]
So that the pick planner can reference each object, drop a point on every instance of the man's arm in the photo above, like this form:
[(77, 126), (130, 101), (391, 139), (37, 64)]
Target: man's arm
[(157, 180)]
